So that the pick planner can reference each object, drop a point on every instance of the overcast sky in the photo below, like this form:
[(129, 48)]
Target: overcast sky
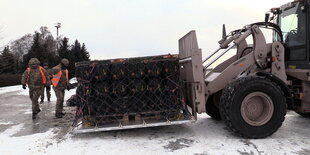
[(122, 28)]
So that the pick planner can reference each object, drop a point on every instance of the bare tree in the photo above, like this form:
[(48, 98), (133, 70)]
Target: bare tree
[(21, 46)]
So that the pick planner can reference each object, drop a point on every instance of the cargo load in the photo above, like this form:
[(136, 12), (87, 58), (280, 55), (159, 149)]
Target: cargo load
[(133, 91)]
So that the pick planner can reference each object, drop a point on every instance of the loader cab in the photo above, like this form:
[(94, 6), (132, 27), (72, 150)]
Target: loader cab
[(293, 19)]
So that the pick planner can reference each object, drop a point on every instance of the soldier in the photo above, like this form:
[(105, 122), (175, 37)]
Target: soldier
[(60, 82), (48, 88), (36, 77)]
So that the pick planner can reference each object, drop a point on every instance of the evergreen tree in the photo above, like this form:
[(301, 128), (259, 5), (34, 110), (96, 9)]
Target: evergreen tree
[(84, 53), (64, 48), (49, 57), (7, 61), (75, 54), (78, 53), (36, 51), (48, 45), (43, 47), (73, 57)]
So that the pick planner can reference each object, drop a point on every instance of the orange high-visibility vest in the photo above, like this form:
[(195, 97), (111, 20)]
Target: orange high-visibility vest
[(41, 72), (56, 78)]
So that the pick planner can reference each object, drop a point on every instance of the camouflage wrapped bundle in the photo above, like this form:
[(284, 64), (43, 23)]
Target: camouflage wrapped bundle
[(129, 91)]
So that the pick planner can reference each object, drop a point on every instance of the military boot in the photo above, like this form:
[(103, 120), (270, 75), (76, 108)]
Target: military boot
[(48, 99), (34, 114), (59, 115)]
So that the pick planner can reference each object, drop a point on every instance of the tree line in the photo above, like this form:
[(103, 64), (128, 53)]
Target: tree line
[(42, 45)]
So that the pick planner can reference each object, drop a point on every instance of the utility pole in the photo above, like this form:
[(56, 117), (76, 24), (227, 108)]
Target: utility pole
[(57, 25)]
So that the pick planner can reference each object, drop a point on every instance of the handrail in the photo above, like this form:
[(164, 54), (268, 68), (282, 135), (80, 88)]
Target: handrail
[(220, 55), (211, 55)]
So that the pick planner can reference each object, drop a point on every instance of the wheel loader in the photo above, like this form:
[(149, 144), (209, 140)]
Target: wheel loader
[(251, 90)]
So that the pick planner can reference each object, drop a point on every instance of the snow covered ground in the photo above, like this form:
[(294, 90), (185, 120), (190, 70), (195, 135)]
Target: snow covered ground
[(19, 134)]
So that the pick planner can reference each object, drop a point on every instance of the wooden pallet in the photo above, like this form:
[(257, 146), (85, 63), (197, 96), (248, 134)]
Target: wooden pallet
[(126, 119)]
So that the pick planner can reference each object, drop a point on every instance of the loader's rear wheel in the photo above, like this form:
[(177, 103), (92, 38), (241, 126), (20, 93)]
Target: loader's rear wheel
[(211, 109), (253, 107)]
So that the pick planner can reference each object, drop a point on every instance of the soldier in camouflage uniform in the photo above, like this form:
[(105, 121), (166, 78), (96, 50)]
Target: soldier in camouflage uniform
[(36, 77), (60, 82), (48, 88)]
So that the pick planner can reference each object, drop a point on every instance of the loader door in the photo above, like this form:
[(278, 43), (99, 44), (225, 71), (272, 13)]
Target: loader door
[(294, 23)]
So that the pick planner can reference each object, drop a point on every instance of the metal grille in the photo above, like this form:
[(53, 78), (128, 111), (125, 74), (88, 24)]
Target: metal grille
[(129, 91)]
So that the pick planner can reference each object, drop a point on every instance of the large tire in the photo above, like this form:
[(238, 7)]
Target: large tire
[(253, 107), (211, 109)]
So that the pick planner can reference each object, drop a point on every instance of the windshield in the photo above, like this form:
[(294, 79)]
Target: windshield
[(292, 22)]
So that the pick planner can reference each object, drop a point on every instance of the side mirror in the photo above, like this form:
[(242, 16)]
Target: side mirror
[(267, 15)]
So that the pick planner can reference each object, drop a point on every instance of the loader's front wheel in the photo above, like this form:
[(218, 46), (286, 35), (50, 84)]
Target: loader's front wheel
[(253, 106)]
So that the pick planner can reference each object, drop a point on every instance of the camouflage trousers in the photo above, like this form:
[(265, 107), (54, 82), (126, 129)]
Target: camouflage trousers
[(34, 94), (48, 93), (60, 94)]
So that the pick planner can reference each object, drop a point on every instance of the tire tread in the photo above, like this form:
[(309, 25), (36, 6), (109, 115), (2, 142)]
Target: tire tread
[(225, 105)]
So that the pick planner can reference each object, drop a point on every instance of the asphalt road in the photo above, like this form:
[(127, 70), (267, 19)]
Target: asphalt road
[(48, 135)]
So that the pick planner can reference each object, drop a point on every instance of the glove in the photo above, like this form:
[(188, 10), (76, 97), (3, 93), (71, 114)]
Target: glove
[(24, 86), (73, 85)]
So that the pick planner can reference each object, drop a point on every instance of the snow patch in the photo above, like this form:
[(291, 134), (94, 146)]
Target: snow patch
[(31, 144), (73, 80), (6, 123), (13, 130), (26, 111), (206, 136), (24, 92), (9, 89)]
